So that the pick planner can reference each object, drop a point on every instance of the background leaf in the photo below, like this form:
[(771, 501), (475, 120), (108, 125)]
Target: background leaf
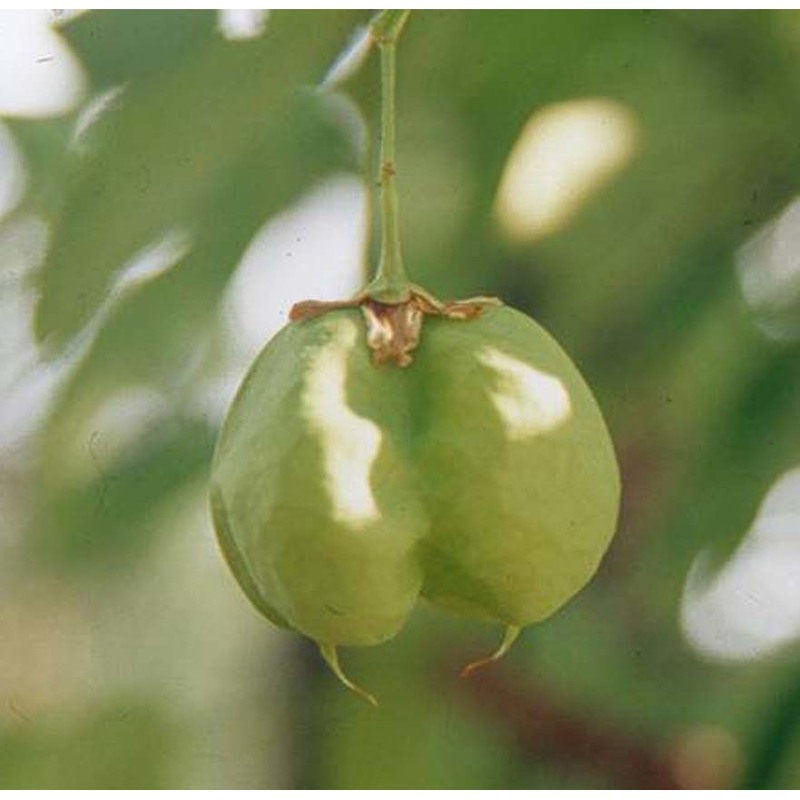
[(166, 155)]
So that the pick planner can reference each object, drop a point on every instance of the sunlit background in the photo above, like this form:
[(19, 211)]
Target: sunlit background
[(172, 182)]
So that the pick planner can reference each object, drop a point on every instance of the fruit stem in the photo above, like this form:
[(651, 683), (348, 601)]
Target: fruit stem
[(391, 282)]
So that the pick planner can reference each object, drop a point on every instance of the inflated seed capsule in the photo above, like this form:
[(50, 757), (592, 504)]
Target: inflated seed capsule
[(481, 476)]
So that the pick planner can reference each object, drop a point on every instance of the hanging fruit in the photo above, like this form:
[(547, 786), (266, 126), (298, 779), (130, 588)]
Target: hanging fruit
[(393, 446)]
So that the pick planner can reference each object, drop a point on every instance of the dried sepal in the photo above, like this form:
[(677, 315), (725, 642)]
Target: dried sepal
[(394, 330)]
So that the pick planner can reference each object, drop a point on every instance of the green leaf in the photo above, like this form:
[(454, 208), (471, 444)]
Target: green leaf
[(116, 46), (164, 156), (43, 147), (161, 326), (125, 743), (720, 482), (103, 522)]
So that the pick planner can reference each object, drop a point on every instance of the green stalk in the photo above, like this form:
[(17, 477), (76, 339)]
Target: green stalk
[(391, 283)]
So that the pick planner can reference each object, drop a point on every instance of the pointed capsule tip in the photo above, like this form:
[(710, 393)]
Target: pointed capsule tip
[(331, 657), (474, 666), (511, 634)]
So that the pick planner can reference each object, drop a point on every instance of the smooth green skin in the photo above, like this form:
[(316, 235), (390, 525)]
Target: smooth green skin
[(496, 519)]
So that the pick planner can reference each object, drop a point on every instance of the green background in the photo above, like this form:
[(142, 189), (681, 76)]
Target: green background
[(130, 659)]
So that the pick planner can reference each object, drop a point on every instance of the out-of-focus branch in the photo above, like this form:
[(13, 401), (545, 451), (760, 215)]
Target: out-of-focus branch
[(544, 730)]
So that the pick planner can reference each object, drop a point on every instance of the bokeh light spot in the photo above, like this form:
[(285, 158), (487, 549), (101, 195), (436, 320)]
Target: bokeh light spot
[(565, 153)]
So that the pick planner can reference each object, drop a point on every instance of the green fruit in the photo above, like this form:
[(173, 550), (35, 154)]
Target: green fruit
[(481, 477)]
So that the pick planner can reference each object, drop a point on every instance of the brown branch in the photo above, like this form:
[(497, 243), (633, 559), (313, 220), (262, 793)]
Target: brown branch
[(544, 730)]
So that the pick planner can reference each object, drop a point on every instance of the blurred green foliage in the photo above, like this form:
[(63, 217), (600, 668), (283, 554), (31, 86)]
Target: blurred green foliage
[(117, 747), (211, 138)]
